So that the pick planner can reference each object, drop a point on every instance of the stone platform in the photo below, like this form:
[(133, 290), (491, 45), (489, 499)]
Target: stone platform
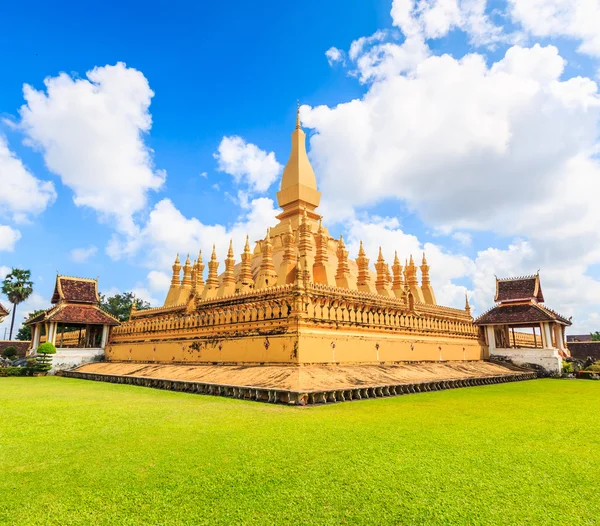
[(302, 385)]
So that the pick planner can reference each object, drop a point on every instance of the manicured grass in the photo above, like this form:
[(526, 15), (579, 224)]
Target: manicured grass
[(78, 452)]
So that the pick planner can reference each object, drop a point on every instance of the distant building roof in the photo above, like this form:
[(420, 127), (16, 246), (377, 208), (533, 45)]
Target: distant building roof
[(579, 338), (75, 290), (521, 313), (3, 311), (519, 289)]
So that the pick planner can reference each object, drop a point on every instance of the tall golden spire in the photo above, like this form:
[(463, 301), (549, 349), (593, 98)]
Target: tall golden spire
[(227, 287), (186, 282), (467, 306), (287, 268), (212, 281), (245, 281), (199, 270), (364, 278), (398, 282), (298, 183), (426, 288), (267, 277), (381, 281), (342, 275), (176, 279)]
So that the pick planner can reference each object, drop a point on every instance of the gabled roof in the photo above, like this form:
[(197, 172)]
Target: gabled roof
[(75, 313), (519, 313), (3, 311), (75, 290), (519, 289)]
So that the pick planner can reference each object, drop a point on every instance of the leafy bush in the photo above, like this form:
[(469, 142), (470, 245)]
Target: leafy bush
[(44, 361), (15, 371), (567, 367), (595, 367), (10, 352), (589, 375)]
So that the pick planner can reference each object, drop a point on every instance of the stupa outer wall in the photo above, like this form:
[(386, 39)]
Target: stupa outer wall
[(295, 325)]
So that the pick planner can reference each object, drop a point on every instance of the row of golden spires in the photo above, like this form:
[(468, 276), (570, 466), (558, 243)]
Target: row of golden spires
[(298, 254)]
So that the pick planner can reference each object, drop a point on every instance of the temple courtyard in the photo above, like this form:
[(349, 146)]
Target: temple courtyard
[(80, 452)]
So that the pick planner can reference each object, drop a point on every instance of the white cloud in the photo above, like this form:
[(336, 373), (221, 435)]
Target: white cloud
[(90, 132), (81, 255), (8, 237), (576, 19), (169, 232), (158, 281), (334, 56), (21, 195), (204, 174), (464, 238), (436, 18), (247, 163)]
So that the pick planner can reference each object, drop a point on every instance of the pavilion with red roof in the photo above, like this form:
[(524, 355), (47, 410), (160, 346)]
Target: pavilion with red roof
[(519, 308), (76, 320)]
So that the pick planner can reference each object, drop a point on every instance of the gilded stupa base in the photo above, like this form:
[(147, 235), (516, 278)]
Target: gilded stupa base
[(304, 384)]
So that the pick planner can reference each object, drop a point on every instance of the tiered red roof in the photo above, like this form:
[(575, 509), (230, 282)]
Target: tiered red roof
[(519, 289), (519, 304), (75, 290), (76, 302)]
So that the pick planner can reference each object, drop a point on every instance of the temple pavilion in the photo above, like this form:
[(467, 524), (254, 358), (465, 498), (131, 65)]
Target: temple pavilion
[(75, 321), (521, 328)]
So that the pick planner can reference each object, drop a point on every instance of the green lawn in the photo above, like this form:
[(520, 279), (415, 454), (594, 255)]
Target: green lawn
[(78, 452)]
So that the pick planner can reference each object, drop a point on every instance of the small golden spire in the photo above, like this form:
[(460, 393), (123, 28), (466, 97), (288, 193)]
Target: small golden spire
[(213, 256), (247, 245), (424, 259), (396, 260), (298, 125), (341, 243), (230, 251), (380, 258), (467, 306), (177, 260), (361, 250)]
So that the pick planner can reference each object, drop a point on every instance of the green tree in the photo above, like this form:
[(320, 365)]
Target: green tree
[(44, 362), (119, 305), (24, 332), (9, 353), (17, 287), (596, 336)]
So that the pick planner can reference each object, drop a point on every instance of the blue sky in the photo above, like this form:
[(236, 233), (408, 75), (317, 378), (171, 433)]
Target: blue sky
[(468, 129)]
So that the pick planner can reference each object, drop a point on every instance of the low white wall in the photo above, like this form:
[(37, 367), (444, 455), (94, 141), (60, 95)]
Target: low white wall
[(70, 358), (549, 359)]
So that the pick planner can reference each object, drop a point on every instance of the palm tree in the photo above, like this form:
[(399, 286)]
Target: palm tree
[(17, 286)]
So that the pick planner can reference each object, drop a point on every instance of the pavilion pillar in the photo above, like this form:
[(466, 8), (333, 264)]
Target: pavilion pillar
[(546, 335), (104, 336), (558, 336), (491, 337), (52, 332), (37, 333)]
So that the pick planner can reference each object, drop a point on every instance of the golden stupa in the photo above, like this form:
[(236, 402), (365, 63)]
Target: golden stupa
[(298, 298)]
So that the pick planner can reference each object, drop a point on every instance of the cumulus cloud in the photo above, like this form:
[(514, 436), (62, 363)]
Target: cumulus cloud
[(169, 232), (575, 19), (22, 195), (247, 163), (91, 134), (436, 18), (469, 144), (158, 281), (8, 237), (334, 56), (81, 255)]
